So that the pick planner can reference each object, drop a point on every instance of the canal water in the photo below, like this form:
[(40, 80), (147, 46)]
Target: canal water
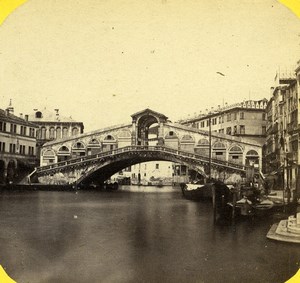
[(135, 234)]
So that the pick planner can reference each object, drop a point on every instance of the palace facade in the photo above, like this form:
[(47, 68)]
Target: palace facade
[(244, 119), (51, 126), (281, 149), (17, 146)]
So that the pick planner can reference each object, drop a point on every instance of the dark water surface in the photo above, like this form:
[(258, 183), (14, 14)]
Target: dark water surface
[(140, 235)]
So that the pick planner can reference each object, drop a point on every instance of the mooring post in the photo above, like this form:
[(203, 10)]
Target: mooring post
[(233, 206), (214, 203)]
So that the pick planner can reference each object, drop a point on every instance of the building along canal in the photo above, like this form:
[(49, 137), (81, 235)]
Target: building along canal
[(135, 234)]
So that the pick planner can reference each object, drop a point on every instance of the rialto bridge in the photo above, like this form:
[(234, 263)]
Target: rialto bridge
[(95, 156)]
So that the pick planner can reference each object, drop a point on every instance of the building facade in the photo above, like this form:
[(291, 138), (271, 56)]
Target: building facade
[(17, 146), (245, 119), (281, 149), (52, 126)]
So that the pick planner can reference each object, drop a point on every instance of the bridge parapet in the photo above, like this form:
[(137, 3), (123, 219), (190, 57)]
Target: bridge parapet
[(143, 153)]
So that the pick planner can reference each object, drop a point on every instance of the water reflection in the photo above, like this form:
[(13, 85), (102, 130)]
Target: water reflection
[(136, 234)]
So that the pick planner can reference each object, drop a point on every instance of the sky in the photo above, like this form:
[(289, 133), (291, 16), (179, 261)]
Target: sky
[(101, 61)]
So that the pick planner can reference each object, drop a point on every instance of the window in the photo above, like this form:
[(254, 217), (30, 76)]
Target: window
[(2, 126), (156, 166), (38, 114), (13, 128), (242, 115), (263, 130), (235, 116), (145, 174), (22, 149), (12, 148), (51, 133), (264, 116), (43, 133), (31, 132), (228, 131), (31, 150), (229, 117), (74, 131), (235, 130), (2, 146), (65, 132), (242, 129), (58, 133)]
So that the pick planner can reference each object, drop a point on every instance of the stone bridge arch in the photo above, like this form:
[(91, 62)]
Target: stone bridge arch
[(103, 165), (103, 171)]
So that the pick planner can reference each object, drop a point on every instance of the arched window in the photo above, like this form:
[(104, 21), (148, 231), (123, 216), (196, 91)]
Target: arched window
[(58, 133), (43, 133), (78, 149), (48, 157), (78, 145), (171, 140), (187, 139), (171, 135), (93, 147), (252, 158), (187, 143), (48, 153), (236, 154), (109, 138), (252, 153), (63, 153), (63, 149), (74, 131), (219, 151), (203, 142), (124, 134), (202, 147), (52, 133), (65, 132), (109, 143), (38, 134)]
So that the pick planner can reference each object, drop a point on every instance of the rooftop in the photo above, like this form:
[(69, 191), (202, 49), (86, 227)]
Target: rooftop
[(46, 115), (9, 117), (248, 104)]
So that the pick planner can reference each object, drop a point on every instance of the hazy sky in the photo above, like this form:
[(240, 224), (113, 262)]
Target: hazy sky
[(102, 60)]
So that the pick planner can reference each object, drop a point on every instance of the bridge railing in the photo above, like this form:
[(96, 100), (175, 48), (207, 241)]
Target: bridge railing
[(140, 148)]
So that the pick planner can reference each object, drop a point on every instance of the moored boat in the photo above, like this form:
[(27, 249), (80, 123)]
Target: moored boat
[(196, 191)]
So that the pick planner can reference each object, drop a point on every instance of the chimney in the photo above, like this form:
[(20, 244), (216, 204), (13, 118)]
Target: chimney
[(26, 118), (21, 115)]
